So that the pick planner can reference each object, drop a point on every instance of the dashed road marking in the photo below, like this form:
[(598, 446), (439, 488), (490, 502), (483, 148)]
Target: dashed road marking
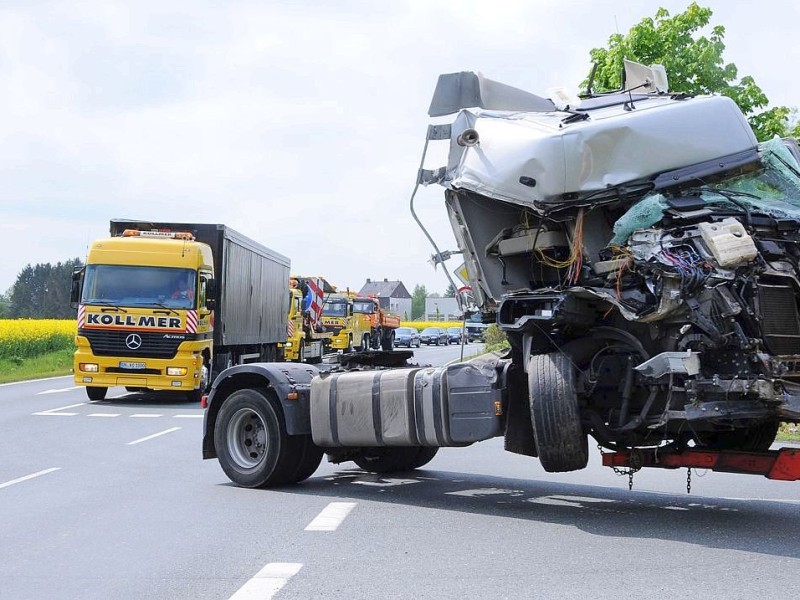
[(27, 477), (146, 415), (267, 582), (57, 390), (54, 411), (155, 435), (106, 415), (188, 416), (331, 516)]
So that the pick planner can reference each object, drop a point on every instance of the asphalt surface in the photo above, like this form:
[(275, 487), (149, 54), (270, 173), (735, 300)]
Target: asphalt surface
[(111, 499)]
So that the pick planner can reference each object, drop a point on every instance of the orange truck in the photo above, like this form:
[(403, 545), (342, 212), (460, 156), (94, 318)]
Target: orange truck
[(381, 322)]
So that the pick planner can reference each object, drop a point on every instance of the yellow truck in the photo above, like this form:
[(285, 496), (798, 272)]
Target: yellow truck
[(358, 322), (164, 306), (306, 337)]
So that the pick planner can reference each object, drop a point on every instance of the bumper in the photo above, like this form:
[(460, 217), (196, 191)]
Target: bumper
[(112, 371)]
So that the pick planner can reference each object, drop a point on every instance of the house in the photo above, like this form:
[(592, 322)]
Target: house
[(391, 295), (442, 309)]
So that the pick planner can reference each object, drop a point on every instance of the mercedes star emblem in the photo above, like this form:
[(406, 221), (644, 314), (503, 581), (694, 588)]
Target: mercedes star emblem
[(133, 341)]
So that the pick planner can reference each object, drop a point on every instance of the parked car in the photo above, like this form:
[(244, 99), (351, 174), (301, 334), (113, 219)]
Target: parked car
[(475, 331), (406, 336), (454, 335), (433, 335)]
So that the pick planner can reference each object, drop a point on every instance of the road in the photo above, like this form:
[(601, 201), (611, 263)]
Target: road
[(111, 499)]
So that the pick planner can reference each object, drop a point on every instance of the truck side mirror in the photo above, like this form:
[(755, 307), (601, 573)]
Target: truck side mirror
[(75, 287), (211, 294)]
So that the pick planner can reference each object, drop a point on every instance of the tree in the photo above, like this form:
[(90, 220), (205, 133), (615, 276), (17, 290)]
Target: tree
[(5, 306), (418, 301), (451, 291), (42, 291), (694, 65)]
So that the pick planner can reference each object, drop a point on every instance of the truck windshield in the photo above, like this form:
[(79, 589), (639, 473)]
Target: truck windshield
[(366, 308), (334, 309), (133, 286)]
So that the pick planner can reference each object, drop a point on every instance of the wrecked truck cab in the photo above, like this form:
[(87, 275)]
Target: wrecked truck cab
[(640, 251)]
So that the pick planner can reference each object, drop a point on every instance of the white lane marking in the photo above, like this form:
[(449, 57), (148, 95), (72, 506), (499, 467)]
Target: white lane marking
[(187, 416), (146, 415), (155, 435), (103, 414), (52, 411), (35, 380), (27, 477), (267, 582), (331, 516), (58, 391)]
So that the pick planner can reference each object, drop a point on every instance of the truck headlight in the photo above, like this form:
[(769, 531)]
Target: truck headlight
[(176, 371), (88, 367)]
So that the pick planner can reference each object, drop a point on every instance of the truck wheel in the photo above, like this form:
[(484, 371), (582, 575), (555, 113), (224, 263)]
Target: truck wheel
[(387, 460), (310, 457), (251, 441), (424, 456), (365, 342), (96, 393), (560, 440), (300, 351), (387, 341)]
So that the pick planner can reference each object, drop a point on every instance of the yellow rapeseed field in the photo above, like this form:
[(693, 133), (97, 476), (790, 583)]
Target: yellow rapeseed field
[(24, 338), (420, 325)]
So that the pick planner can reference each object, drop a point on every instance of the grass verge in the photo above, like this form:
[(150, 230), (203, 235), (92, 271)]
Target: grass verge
[(789, 432), (51, 364)]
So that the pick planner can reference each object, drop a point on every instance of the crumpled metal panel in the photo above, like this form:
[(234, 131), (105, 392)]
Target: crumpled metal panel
[(612, 146)]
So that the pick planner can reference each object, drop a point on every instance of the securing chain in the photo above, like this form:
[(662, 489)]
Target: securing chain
[(689, 480), (634, 464)]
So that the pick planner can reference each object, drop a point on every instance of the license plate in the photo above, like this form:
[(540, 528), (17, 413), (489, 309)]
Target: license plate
[(131, 365)]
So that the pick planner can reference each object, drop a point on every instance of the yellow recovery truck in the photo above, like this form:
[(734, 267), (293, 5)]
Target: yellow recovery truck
[(358, 322), (163, 305), (306, 337)]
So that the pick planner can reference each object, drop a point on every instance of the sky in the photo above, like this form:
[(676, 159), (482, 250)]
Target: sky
[(299, 124)]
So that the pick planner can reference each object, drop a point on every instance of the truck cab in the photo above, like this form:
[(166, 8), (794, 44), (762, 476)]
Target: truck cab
[(143, 318), (349, 329)]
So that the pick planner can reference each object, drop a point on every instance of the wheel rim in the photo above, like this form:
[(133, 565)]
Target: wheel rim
[(247, 438)]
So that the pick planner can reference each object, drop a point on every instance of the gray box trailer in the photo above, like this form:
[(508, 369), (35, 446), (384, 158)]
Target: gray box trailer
[(252, 290)]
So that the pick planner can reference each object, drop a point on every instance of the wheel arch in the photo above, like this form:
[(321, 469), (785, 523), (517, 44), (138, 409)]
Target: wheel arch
[(280, 378)]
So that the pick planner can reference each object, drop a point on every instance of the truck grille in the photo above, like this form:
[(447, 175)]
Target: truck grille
[(779, 319), (112, 343)]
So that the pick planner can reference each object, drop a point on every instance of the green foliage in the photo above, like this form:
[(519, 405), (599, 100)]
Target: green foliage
[(42, 291), (494, 338), (45, 365), (5, 306), (418, 302), (450, 292), (693, 62)]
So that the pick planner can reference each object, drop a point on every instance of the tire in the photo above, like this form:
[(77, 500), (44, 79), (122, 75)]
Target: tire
[(419, 344), (424, 456), (387, 341), (388, 460), (252, 445), (96, 393), (310, 457), (560, 440), (755, 439), (300, 350), (365, 342)]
